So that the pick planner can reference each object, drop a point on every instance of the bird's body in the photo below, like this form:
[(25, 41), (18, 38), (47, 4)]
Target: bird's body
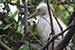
[(44, 24)]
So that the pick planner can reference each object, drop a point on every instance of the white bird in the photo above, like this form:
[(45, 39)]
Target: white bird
[(44, 24)]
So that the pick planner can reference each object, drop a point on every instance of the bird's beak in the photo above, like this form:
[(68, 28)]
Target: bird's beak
[(35, 14)]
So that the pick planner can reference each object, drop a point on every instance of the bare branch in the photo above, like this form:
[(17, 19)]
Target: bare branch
[(3, 46), (70, 27)]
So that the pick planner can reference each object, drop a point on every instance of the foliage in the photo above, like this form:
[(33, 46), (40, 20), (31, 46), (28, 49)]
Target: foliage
[(12, 22)]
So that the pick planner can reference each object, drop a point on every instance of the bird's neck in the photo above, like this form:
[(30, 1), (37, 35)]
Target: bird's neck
[(45, 15)]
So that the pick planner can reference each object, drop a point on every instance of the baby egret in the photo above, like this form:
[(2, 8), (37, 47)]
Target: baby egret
[(44, 24)]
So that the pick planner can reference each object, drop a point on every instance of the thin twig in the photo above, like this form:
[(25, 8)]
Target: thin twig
[(66, 39), (26, 31), (3, 46), (51, 21), (57, 36)]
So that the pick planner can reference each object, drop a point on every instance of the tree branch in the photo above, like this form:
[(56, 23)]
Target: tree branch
[(3, 46), (70, 27)]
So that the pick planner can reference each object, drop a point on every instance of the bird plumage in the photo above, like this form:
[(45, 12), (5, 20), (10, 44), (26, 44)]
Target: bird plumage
[(44, 24)]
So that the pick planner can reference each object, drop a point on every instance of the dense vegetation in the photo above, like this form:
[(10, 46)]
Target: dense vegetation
[(16, 33)]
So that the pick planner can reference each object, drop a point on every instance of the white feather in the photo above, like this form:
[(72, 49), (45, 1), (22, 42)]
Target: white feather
[(44, 25)]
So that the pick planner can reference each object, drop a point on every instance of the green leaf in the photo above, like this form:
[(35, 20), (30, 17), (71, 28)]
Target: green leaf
[(18, 36), (14, 14), (61, 7), (25, 47), (64, 16)]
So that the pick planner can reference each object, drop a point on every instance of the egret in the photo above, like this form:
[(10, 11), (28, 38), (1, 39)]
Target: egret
[(44, 24)]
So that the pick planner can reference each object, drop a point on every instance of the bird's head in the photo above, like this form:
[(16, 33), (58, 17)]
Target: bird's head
[(43, 9)]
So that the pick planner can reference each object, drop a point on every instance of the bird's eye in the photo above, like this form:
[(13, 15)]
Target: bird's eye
[(39, 10)]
